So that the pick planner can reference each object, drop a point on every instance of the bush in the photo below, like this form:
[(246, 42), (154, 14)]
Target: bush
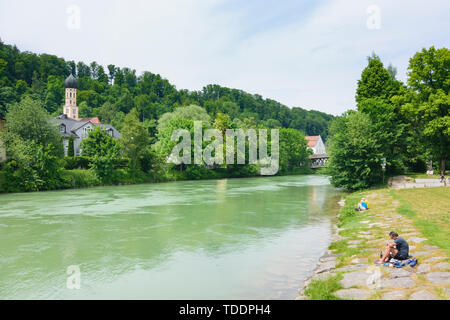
[(78, 162), (34, 168), (80, 178), (122, 163)]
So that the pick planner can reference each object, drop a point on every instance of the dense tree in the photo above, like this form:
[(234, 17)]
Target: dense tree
[(27, 120), (191, 112), (135, 139), (390, 132), (70, 147), (222, 122), (355, 161), (429, 79), (104, 152), (293, 150), (376, 82), (33, 146)]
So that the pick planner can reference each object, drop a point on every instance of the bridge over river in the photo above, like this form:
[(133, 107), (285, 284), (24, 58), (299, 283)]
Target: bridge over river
[(319, 160)]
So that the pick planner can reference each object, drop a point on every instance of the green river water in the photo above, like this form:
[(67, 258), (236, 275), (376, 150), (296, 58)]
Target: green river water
[(255, 238)]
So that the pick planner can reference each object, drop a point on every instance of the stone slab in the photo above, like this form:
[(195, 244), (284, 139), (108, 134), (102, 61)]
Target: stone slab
[(325, 266), (442, 265), (353, 267), (398, 272), (416, 239), (404, 282), (423, 268), (394, 295), (422, 295), (357, 278), (439, 277), (436, 258)]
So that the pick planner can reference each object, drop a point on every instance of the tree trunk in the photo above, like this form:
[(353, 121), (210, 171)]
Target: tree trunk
[(443, 160)]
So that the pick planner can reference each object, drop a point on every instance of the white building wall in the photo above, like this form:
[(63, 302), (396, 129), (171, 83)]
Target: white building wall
[(319, 148)]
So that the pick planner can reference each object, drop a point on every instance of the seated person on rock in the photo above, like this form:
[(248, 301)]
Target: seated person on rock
[(363, 205), (397, 249)]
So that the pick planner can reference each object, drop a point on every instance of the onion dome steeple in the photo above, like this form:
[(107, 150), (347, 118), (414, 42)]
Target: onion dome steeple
[(71, 82)]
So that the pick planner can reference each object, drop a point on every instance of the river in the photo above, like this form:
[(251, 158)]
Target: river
[(253, 238)]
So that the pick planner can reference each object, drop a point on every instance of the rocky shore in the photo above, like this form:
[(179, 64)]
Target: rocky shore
[(356, 245)]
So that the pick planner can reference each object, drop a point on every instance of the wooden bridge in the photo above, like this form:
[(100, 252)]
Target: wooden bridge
[(319, 160)]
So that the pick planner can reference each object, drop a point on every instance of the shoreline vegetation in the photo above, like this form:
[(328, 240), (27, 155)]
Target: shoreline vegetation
[(85, 178), (347, 269)]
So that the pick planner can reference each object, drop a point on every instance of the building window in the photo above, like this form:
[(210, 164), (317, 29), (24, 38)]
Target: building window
[(62, 128), (111, 132), (67, 110), (86, 130)]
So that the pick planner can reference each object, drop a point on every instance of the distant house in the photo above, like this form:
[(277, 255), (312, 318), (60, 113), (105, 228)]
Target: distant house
[(315, 143), (2, 147), (70, 125)]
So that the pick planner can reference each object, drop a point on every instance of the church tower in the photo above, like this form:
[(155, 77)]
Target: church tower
[(70, 107)]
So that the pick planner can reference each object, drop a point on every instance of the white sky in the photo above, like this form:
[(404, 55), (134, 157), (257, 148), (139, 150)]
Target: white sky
[(302, 53)]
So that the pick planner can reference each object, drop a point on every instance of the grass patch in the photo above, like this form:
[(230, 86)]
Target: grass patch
[(405, 206), (417, 175), (324, 289), (428, 208)]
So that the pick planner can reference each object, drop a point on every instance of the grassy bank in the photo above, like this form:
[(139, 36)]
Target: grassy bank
[(421, 216), (428, 209)]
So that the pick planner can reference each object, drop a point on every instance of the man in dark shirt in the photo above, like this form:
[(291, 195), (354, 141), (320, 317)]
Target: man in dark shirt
[(398, 249)]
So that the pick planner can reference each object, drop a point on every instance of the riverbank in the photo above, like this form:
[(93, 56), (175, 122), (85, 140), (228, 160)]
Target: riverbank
[(347, 270)]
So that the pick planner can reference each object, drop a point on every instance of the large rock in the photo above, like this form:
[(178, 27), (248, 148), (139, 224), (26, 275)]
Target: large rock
[(326, 266), (404, 282), (439, 277), (357, 278), (422, 295), (394, 295), (355, 294)]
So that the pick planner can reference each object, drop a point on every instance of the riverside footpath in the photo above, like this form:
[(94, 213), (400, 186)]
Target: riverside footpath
[(347, 270)]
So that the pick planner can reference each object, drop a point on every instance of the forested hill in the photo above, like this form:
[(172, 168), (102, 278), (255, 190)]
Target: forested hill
[(112, 92)]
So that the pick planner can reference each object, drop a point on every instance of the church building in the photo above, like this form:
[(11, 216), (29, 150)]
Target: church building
[(70, 124)]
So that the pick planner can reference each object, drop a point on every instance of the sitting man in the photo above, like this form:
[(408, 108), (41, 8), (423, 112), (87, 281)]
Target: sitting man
[(398, 249)]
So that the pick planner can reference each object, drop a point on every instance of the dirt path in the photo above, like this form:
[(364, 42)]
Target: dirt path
[(358, 245)]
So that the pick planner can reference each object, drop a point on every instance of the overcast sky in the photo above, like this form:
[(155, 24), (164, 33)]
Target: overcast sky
[(306, 53)]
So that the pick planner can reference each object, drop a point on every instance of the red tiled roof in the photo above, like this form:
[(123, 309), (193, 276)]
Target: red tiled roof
[(94, 120), (312, 140)]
